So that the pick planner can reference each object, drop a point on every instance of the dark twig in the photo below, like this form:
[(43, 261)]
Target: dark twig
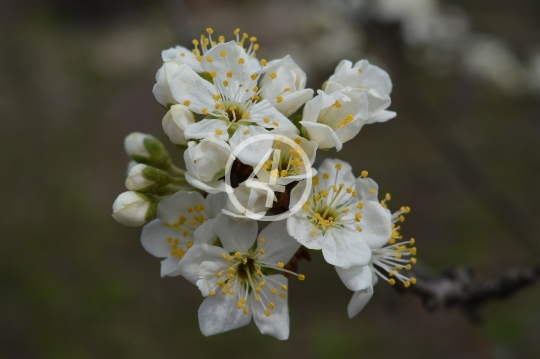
[(459, 287)]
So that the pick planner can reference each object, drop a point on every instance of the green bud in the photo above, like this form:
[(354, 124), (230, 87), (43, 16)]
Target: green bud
[(147, 149)]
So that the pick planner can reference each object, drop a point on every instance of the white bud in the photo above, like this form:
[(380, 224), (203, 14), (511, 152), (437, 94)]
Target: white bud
[(133, 209), (175, 122), (136, 180), (147, 149), (130, 165)]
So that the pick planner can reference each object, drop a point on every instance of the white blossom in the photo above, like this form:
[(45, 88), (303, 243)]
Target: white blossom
[(370, 78), (335, 118), (183, 220), (240, 280), (285, 81), (340, 216)]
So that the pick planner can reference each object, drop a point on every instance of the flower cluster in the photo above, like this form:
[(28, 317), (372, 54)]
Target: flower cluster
[(250, 131)]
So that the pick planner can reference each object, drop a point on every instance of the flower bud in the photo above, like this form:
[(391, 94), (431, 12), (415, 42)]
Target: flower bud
[(134, 209), (147, 149), (175, 122), (144, 178)]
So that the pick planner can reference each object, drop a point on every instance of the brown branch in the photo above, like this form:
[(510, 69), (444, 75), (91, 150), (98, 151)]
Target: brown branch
[(459, 287)]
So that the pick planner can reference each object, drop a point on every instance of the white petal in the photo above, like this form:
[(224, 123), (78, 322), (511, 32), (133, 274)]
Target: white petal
[(169, 267), (216, 202), (204, 233), (277, 324), (381, 116), (162, 90), (229, 65), (182, 55), (208, 127), (344, 175), (154, 238), (367, 189), (175, 122), (235, 236), (301, 228), (264, 109), (376, 224), (279, 246), (191, 90), (373, 77), (173, 207), (292, 101), (253, 152), (350, 130), (216, 186), (345, 249), (355, 278), (359, 301), (219, 313), (322, 134), (189, 265)]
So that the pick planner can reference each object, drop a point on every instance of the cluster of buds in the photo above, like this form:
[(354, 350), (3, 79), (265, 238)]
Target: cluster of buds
[(250, 131)]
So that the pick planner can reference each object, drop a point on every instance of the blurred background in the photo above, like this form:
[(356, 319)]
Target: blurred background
[(463, 153)]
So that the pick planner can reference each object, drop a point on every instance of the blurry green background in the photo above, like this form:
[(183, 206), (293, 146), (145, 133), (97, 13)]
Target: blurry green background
[(76, 78)]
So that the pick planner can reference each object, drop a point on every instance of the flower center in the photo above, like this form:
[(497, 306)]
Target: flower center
[(187, 227)]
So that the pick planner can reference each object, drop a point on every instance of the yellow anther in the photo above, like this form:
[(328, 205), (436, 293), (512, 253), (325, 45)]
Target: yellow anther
[(282, 295), (246, 311), (317, 198), (413, 260), (358, 215), (187, 102), (258, 272), (271, 305), (204, 111), (253, 39), (219, 274), (239, 305), (267, 313), (372, 191), (286, 89), (229, 74), (241, 61), (257, 290), (221, 39), (359, 205), (238, 254), (339, 166), (408, 267), (262, 283), (273, 290), (255, 47), (263, 62), (413, 251), (189, 244), (337, 104), (279, 99), (354, 193), (209, 59), (413, 280), (412, 242), (223, 53), (219, 131), (359, 229), (313, 233), (246, 132), (275, 123), (257, 298), (213, 74), (199, 58), (391, 273), (399, 267), (216, 96), (236, 31), (388, 197), (273, 75), (231, 270), (398, 255), (195, 42), (212, 293), (281, 264), (262, 251), (326, 176), (266, 120), (230, 291), (392, 281), (225, 83), (245, 115), (301, 277), (254, 77)]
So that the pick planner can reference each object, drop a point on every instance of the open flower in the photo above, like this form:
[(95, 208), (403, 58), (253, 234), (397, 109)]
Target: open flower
[(372, 79), (183, 221), (335, 118), (339, 217), (388, 261), (240, 280)]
